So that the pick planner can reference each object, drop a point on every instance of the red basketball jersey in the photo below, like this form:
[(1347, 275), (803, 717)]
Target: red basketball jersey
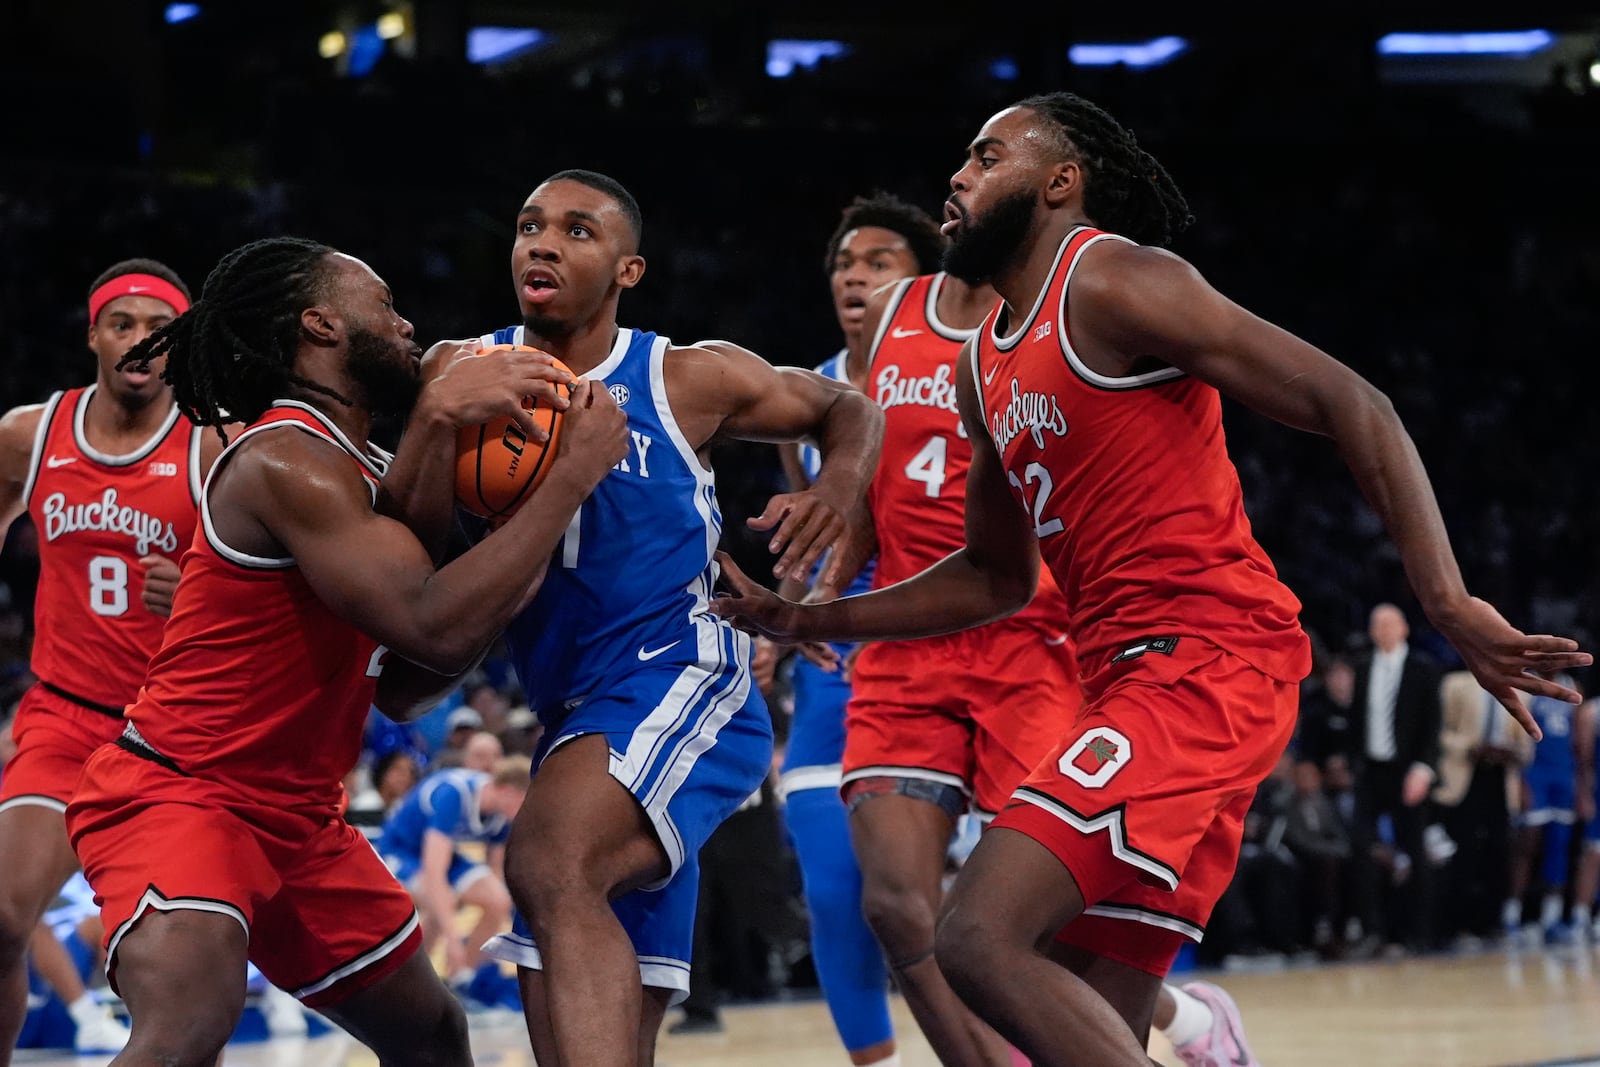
[(1129, 487), (97, 515), (918, 494), (258, 684)]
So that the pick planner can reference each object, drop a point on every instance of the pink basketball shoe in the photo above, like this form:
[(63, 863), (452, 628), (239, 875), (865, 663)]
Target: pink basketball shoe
[(1225, 1045)]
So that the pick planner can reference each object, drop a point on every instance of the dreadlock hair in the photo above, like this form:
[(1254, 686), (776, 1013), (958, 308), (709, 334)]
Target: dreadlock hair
[(141, 266), (1126, 190), (889, 212), (232, 353)]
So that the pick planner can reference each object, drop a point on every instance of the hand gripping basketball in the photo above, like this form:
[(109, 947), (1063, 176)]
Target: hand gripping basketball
[(498, 466)]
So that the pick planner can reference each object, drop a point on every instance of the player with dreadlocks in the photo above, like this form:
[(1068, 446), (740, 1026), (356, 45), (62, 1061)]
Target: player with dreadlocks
[(211, 829), (1092, 396)]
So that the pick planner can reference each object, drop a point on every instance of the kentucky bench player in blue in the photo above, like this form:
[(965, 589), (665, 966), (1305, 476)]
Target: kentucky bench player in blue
[(654, 729)]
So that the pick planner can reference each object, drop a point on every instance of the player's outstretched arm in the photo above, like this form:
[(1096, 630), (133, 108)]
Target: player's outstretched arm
[(995, 575), (1150, 302), (373, 572), (735, 393), (18, 428), (459, 388)]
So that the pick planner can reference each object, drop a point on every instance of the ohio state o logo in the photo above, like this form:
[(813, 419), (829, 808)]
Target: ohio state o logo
[(1094, 758)]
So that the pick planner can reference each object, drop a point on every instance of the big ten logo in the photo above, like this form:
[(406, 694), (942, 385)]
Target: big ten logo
[(160, 469)]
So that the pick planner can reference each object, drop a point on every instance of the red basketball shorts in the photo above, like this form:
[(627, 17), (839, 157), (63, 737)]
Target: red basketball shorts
[(54, 737), (975, 710), (1144, 802), (324, 917)]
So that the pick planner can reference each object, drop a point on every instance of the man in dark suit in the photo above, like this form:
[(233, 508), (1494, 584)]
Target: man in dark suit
[(1394, 741)]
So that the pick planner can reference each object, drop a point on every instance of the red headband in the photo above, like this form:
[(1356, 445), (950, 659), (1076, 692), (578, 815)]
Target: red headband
[(137, 285)]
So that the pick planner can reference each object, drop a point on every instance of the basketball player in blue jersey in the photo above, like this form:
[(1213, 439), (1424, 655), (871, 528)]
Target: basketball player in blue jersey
[(1587, 883), (879, 240), (1549, 785), (654, 729), (420, 844)]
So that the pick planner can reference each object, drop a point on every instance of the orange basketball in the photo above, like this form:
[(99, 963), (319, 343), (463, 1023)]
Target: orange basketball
[(497, 465)]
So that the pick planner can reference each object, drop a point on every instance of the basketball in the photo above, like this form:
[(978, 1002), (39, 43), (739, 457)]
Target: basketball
[(497, 466)]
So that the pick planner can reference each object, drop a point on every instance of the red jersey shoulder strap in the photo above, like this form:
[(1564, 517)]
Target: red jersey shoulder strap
[(41, 439), (896, 299)]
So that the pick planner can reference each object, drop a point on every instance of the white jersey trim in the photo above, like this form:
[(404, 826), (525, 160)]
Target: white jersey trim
[(663, 403), (895, 299), (931, 313), (799, 779), (81, 438), (43, 431), (1008, 342), (360, 963), (214, 539), (658, 972), (1132, 381), (196, 477), (153, 899)]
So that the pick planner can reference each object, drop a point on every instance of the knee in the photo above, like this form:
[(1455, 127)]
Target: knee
[(181, 1039), (18, 920), (966, 948), (447, 1045), (901, 917)]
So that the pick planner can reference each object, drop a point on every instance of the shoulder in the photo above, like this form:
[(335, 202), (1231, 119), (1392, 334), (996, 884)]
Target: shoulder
[(293, 462), (18, 428), (1114, 271), (19, 425)]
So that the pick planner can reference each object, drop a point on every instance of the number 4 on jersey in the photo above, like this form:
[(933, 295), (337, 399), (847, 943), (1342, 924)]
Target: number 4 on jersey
[(927, 466)]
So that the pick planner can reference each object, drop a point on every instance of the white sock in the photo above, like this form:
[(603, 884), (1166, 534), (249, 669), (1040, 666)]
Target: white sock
[(1550, 909), (1511, 914), (1581, 916), (1192, 1018), (86, 1009)]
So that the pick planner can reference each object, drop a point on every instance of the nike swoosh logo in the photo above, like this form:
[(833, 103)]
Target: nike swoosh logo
[(56, 461), (898, 332), (987, 378), (646, 655), (138, 288), (1054, 642)]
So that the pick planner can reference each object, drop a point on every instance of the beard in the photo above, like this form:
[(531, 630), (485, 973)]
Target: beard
[(984, 245), (384, 372)]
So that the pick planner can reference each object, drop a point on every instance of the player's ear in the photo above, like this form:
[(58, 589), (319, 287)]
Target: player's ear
[(321, 324), (1066, 180), (629, 270)]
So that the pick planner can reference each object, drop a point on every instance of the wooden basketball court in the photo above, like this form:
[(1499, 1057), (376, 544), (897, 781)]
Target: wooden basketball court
[(1495, 1009)]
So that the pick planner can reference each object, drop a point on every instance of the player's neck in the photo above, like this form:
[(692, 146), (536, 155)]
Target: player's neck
[(1021, 283), (857, 349), (961, 306), (582, 349), (116, 427), (354, 419)]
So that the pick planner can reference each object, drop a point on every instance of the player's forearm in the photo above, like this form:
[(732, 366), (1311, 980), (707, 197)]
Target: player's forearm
[(468, 602), (1384, 460), (957, 593), (419, 488), (408, 691), (851, 438)]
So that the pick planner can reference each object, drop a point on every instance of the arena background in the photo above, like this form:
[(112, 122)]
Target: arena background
[(1414, 193), (1429, 219)]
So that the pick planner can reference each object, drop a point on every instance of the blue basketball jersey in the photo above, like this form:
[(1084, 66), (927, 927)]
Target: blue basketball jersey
[(816, 733), (811, 461), (446, 801), (1553, 758), (631, 582)]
